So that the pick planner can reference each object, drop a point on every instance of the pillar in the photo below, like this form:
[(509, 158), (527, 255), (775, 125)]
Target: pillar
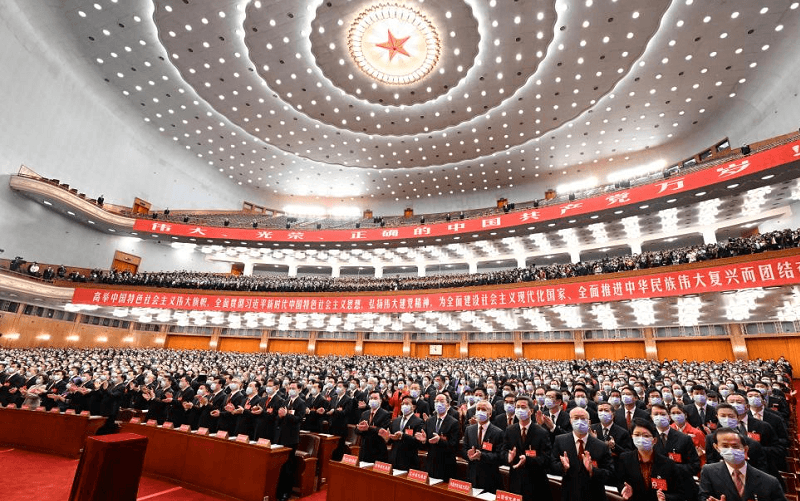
[(473, 268), (738, 343), (650, 348), (359, 349), (312, 343), (520, 261), (518, 353), (406, 344), (420, 270), (463, 351), (213, 344), (580, 352), (264, 340), (335, 270)]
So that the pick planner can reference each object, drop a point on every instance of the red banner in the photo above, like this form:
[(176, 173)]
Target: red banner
[(748, 275), (741, 167)]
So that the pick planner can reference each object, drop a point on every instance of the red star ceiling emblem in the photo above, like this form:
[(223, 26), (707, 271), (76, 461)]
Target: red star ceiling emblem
[(394, 45)]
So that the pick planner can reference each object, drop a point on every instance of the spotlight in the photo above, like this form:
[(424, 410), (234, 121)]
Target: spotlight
[(226, 222), (422, 220), (746, 149), (185, 219), (155, 216), (319, 226), (461, 216), (358, 225), (166, 212), (571, 197), (255, 224)]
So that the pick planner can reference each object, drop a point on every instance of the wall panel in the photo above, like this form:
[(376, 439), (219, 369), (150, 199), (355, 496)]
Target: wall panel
[(695, 349), (766, 348), (549, 351), (383, 349), (288, 345), (188, 342), (335, 348), (245, 345), (422, 350), (614, 350), (491, 350)]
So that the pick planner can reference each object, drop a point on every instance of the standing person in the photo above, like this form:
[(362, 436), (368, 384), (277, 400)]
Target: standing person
[(527, 449), (483, 442), (582, 460), (404, 454), (338, 414), (373, 446), (441, 434), (290, 415)]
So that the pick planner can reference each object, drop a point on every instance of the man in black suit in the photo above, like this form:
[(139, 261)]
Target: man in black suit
[(340, 408), (758, 411), (733, 478), (615, 436), (317, 406), (9, 388), (582, 460), (233, 408), (217, 400), (506, 418), (699, 414), (664, 480), (266, 422), (760, 431), (441, 434), (673, 444), (404, 454), (181, 402), (554, 419), (483, 443), (373, 446), (251, 411), (727, 418), (629, 410), (526, 447), (421, 407), (290, 415)]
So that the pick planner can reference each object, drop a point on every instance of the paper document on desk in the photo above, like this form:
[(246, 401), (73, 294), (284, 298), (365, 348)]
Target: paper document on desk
[(434, 481), (364, 464), (398, 472), (488, 496), (476, 491)]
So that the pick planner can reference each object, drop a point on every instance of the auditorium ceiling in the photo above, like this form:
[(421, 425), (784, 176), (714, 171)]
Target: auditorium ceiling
[(400, 101)]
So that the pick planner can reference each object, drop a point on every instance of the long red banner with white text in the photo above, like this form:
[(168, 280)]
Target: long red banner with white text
[(741, 167), (752, 274)]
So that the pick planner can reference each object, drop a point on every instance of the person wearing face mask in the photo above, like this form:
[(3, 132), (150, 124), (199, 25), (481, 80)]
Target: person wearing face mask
[(756, 456), (526, 451), (395, 400), (699, 414), (270, 404), (160, 400), (680, 423), (758, 411), (246, 425), (675, 445), (616, 437), (583, 461), (580, 398), (553, 418), (507, 417), (317, 406), (630, 409), (760, 431), (34, 392), (421, 408), (373, 445), (482, 448), (404, 454), (287, 433), (441, 435), (233, 408), (181, 402), (643, 475), (216, 401), (338, 416), (9, 388), (733, 478)]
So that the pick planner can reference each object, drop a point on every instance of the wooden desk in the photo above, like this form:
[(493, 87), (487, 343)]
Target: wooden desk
[(224, 468), (51, 433)]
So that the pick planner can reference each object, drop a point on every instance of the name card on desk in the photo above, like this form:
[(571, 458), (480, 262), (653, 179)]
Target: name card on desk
[(350, 459), (168, 425), (41, 409), (243, 438), (263, 442), (507, 496), (381, 467), (202, 431), (26, 407), (459, 486), (55, 410), (418, 476), (136, 420), (152, 422), (70, 412), (222, 434), (183, 427), (86, 413)]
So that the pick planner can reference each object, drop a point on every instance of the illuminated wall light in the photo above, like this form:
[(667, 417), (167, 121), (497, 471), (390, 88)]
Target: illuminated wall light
[(605, 316), (159, 340), (632, 228), (43, 337), (669, 220), (101, 339), (599, 232), (128, 339), (637, 172), (644, 311), (708, 210), (790, 311), (542, 242), (689, 310), (73, 338), (754, 199), (740, 304), (570, 315), (212, 344)]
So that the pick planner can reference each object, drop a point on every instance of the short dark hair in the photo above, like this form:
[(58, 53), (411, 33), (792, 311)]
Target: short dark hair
[(646, 424), (526, 398), (721, 431)]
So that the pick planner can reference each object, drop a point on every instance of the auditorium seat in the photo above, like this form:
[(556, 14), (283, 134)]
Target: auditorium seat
[(352, 441), (306, 456)]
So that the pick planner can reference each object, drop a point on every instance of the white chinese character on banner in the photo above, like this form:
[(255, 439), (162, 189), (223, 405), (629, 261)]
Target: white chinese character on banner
[(796, 149), (567, 207), (671, 185), (785, 270), (748, 274), (618, 198), (487, 223), (732, 276), (733, 169), (698, 280), (422, 230), (456, 227), (529, 216), (357, 235), (161, 227), (765, 272), (264, 234), (390, 233), (296, 235), (197, 231)]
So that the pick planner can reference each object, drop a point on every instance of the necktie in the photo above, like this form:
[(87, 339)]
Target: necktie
[(524, 431), (737, 480), (628, 418), (480, 435), (438, 424), (371, 415), (402, 424), (702, 416), (742, 429), (510, 421), (606, 434), (580, 449), (664, 439)]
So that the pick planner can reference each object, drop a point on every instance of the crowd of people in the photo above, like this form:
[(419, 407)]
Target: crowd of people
[(645, 427), (738, 246)]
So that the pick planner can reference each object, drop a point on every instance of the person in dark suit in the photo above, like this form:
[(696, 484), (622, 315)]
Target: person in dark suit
[(673, 444), (338, 416), (233, 408), (441, 434), (421, 407), (615, 436), (404, 454), (629, 410), (733, 479), (181, 402), (251, 410), (643, 475), (526, 447), (699, 414), (216, 402), (580, 398), (373, 446), (758, 411), (554, 419), (9, 388), (483, 443), (317, 406), (759, 431), (727, 418), (582, 460), (287, 431), (506, 418)]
